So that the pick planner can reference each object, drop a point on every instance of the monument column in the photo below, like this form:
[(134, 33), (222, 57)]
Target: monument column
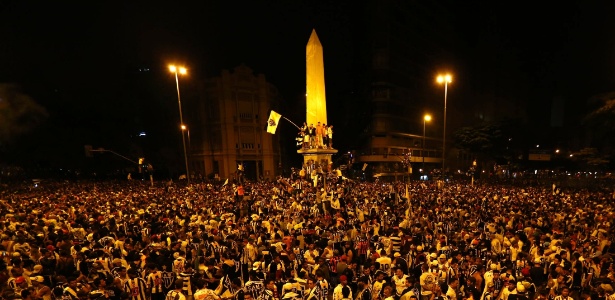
[(316, 102)]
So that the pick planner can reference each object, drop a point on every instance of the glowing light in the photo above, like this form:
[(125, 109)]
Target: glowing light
[(445, 78), (427, 118), (175, 69)]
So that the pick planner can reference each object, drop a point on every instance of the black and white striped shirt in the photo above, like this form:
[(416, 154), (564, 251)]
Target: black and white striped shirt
[(136, 288), (155, 282), (187, 278)]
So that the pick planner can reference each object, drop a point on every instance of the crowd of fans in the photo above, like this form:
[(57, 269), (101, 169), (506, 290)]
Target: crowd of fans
[(289, 239)]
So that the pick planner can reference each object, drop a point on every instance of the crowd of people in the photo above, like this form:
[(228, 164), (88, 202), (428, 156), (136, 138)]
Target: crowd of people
[(315, 137), (289, 239)]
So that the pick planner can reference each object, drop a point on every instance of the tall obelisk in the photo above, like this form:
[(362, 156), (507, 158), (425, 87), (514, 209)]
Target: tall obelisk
[(316, 101)]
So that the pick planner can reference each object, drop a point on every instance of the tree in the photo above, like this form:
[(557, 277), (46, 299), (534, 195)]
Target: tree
[(600, 121), (480, 139), (488, 141), (591, 159), (19, 114)]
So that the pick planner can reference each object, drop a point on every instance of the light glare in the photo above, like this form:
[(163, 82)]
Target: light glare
[(448, 78)]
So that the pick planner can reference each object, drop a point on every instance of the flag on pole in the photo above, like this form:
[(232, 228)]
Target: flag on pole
[(240, 167), (225, 182), (272, 124), (407, 195), (364, 167)]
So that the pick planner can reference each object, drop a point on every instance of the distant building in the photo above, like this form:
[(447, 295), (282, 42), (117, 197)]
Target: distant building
[(403, 47), (231, 118)]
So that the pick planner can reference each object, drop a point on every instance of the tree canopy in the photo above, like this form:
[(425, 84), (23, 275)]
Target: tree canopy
[(19, 113)]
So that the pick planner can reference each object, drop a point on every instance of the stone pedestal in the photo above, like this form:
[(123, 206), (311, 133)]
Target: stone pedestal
[(320, 156)]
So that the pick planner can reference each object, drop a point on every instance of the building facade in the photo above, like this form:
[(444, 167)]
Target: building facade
[(231, 119), (403, 51)]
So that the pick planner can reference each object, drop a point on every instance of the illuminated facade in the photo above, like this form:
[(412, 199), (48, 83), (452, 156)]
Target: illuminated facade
[(231, 118)]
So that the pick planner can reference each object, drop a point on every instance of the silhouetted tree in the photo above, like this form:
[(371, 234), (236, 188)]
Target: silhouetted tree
[(19, 113)]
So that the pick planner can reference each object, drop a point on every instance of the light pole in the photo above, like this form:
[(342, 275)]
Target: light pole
[(446, 79), (181, 70), (426, 119), (187, 130)]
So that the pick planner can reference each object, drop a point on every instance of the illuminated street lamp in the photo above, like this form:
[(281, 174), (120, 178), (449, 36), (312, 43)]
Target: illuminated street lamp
[(446, 79), (426, 118), (181, 70)]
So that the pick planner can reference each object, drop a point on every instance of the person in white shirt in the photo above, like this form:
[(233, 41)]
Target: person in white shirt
[(378, 284), (564, 294), (451, 293), (311, 254), (176, 294), (338, 291), (399, 281), (385, 263), (203, 293)]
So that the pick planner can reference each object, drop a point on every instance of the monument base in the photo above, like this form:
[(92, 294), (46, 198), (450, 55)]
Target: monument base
[(319, 156)]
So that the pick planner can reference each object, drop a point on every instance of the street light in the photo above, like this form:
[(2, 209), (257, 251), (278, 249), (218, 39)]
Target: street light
[(187, 130), (426, 118), (446, 79), (181, 70)]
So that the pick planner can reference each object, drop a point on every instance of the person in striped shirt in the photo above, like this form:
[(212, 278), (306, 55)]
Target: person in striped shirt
[(155, 282), (187, 276), (395, 240), (135, 287)]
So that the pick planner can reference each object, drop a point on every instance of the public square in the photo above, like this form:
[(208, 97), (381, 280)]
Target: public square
[(307, 150)]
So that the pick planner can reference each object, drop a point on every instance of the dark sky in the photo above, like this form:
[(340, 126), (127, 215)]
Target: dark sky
[(80, 58), (65, 45)]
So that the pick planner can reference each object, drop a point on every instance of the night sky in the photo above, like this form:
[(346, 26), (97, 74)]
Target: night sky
[(90, 65)]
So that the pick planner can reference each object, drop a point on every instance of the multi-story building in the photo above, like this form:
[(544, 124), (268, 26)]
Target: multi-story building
[(403, 46), (229, 130)]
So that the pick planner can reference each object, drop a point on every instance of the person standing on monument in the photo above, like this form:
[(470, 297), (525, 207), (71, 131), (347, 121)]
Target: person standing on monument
[(312, 135), (325, 139), (306, 136), (319, 134), (330, 136)]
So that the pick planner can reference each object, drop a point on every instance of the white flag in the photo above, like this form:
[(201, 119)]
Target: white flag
[(364, 167), (272, 124)]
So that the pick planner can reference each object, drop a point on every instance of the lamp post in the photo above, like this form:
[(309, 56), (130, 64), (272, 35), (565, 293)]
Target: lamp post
[(187, 130), (446, 79), (181, 70), (426, 119)]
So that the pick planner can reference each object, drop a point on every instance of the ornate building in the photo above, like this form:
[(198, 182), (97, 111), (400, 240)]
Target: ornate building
[(229, 130)]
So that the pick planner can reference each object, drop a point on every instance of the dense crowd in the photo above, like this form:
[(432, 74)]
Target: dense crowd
[(289, 239)]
